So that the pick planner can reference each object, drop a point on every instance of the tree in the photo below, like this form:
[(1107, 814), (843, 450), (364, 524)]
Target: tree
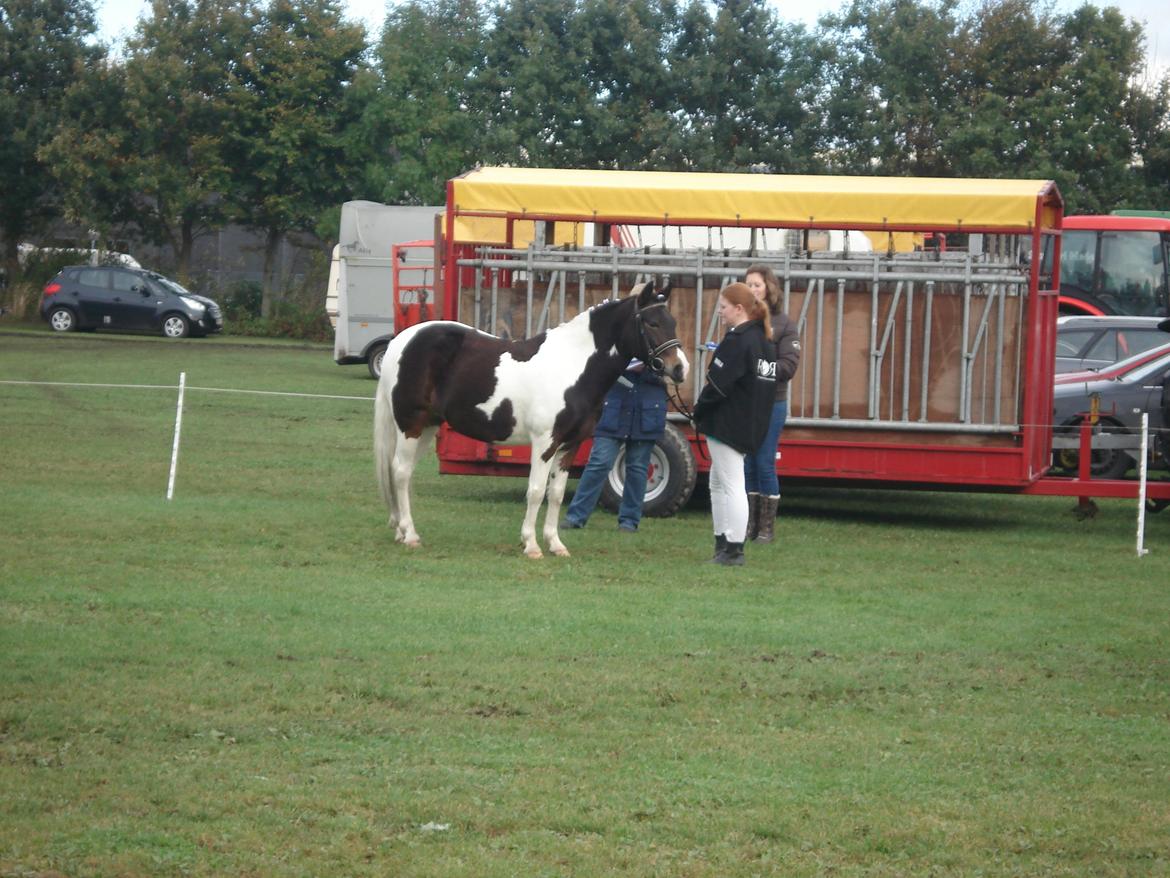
[(155, 155), (287, 150), (744, 85), (419, 125), (531, 87), (894, 78), (630, 119), (43, 50)]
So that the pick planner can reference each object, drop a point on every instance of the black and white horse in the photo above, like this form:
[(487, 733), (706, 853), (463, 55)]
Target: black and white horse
[(546, 390)]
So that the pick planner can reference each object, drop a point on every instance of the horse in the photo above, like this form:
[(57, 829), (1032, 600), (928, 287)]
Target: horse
[(547, 389)]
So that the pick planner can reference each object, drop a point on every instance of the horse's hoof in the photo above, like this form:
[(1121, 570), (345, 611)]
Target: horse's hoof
[(562, 552), (416, 543), (535, 554)]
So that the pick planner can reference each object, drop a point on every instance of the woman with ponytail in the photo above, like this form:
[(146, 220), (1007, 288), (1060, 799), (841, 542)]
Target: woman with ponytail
[(734, 411)]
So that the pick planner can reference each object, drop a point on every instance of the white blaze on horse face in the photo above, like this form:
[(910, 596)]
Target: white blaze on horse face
[(536, 387)]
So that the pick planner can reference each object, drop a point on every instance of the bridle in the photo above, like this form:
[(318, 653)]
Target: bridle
[(654, 359)]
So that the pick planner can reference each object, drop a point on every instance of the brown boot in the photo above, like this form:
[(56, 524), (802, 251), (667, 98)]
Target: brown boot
[(767, 519), (753, 526)]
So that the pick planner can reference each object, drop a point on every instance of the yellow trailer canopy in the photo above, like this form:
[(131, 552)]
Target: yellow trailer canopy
[(762, 200)]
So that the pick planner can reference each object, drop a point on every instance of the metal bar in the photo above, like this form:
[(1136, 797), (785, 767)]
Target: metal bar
[(906, 358), (927, 329), (838, 347), (531, 298), (964, 413), (478, 298), (820, 336), (874, 355), (561, 297), (700, 362), (901, 426), (973, 355), (541, 323), (495, 300), (1000, 340), (648, 264)]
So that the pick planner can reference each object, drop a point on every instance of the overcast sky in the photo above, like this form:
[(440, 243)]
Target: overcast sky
[(116, 19)]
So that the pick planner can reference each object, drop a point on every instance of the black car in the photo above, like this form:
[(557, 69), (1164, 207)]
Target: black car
[(114, 297)]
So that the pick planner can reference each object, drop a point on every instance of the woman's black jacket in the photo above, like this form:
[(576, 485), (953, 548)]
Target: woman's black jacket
[(736, 403)]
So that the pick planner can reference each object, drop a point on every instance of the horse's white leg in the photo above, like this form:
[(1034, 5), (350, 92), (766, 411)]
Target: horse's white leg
[(537, 487), (386, 437), (558, 478), (405, 458)]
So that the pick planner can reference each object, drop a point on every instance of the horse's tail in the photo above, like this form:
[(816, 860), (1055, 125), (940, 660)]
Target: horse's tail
[(386, 435)]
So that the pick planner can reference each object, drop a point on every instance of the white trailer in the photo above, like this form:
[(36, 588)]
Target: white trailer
[(360, 296)]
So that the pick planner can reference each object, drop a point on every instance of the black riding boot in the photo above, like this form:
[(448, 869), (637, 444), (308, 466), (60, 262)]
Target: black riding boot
[(720, 548), (732, 556)]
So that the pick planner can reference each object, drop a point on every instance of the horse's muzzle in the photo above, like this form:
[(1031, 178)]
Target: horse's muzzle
[(674, 366)]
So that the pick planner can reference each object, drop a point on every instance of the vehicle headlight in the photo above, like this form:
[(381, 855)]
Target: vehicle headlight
[(194, 304)]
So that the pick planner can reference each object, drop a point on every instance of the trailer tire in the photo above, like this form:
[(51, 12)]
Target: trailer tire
[(671, 479), (374, 359)]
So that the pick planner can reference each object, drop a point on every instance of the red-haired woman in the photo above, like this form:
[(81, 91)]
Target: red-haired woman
[(733, 412)]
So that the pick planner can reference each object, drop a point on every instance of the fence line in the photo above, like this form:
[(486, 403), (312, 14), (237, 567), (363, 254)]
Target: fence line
[(189, 387)]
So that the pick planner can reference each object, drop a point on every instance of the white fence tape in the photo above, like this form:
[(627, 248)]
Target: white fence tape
[(189, 387)]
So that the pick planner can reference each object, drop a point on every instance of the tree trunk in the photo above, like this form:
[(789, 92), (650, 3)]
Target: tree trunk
[(186, 246), (269, 292)]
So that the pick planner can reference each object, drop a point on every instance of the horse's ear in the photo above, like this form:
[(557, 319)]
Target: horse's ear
[(645, 294), (665, 291)]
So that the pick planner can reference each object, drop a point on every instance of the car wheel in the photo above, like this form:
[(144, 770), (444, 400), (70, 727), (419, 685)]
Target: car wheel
[(176, 326), (1106, 463), (374, 361), (669, 482), (62, 320)]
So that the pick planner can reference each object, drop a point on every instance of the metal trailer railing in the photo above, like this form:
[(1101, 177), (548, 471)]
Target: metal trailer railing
[(984, 284)]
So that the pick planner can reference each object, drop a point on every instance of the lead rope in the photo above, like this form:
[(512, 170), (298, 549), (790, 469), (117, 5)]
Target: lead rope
[(686, 411)]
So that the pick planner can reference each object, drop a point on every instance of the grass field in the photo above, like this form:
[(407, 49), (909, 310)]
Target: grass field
[(253, 679)]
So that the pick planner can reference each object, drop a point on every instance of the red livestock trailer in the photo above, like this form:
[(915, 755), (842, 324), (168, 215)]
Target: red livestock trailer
[(922, 368)]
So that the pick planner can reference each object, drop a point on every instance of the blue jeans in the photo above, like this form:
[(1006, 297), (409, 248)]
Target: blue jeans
[(604, 452), (759, 469)]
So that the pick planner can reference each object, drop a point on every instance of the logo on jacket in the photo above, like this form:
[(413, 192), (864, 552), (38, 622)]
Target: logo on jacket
[(765, 370)]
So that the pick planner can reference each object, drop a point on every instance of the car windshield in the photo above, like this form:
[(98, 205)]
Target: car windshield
[(167, 284)]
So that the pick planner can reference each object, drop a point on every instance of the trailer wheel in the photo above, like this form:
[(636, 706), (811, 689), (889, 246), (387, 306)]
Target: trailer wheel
[(1107, 463), (670, 481), (374, 360)]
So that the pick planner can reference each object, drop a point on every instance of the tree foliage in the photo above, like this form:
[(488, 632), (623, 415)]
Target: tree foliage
[(287, 148), (144, 143), (43, 50), (419, 123)]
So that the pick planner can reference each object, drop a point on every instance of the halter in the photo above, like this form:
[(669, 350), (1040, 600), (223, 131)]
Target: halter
[(653, 355)]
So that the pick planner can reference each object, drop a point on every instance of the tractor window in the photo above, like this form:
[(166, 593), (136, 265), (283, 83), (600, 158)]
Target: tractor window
[(1078, 252), (1132, 270)]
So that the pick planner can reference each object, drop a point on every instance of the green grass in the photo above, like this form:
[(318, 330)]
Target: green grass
[(253, 679)]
